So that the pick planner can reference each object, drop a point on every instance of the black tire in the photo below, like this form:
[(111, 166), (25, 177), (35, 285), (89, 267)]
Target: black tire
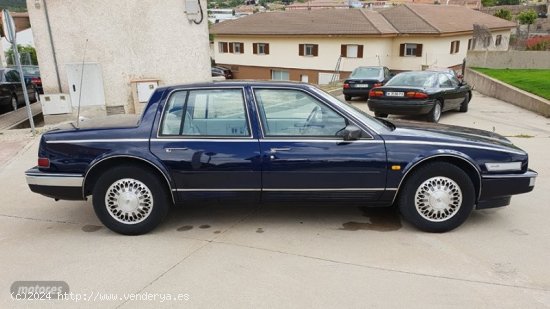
[(141, 179), (381, 115), (437, 173), (347, 97), (435, 114), (464, 105)]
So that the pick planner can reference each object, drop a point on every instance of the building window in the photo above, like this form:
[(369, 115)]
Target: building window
[(279, 75), (311, 50), (455, 47), (222, 47), (260, 48), (498, 40), (351, 51), (487, 41), (410, 50), (236, 48)]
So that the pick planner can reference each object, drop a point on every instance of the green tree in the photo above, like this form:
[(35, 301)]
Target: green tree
[(487, 3), (24, 50), (527, 18), (504, 14)]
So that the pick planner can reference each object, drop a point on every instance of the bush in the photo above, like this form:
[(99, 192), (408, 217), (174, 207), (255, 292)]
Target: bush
[(538, 43)]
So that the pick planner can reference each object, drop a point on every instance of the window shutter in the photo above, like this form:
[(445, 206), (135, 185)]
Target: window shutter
[(254, 48), (231, 47), (242, 48), (457, 47), (343, 50), (402, 50), (315, 50), (452, 47), (469, 44), (419, 50), (360, 51), (225, 47), (300, 49), (266, 48)]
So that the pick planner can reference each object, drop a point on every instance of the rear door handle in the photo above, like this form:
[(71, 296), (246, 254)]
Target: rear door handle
[(175, 149)]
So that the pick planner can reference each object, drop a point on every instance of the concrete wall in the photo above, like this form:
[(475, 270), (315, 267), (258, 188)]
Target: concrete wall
[(494, 88), (130, 39), (509, 59)]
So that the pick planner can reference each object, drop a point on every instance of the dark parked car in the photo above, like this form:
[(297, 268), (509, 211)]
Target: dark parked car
[(420, 93), (32, 75), (274, 142), (221, 71), (363, 79), (11, 91)]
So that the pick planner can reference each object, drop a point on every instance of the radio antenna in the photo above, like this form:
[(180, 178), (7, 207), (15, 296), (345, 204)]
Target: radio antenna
[(80, 88)]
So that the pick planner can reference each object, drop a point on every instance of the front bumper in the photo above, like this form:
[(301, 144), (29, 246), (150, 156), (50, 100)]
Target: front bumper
[(401, 107), (497, 189), (60, 186)]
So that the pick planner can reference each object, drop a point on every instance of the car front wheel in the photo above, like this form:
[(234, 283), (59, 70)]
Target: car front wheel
[(437, 197), (14, 103), (130, 200)]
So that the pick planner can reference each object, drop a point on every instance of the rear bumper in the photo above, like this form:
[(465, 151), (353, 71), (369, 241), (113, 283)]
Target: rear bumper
[(413, 107), (55, 185), (497, 190), (357, 92)]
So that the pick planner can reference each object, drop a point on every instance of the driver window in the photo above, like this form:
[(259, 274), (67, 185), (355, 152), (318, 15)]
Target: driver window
[(287, 112)]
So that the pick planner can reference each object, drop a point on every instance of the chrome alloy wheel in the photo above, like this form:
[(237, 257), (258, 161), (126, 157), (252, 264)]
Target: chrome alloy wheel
[(437, 112), (14, 103), (129, 201), (438, 199)]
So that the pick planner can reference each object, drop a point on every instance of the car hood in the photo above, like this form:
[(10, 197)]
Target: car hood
[(448, 133)]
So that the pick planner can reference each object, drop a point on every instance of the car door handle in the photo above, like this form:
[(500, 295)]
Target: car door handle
[(274, 150), (175, 149)]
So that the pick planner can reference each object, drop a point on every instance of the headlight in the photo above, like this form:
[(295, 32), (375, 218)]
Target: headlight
[(502, 167)]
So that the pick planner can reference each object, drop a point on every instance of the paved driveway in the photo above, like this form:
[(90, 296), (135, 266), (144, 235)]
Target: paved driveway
[(246, 256)]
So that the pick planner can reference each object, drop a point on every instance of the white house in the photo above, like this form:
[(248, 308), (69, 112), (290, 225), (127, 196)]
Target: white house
[(311, 45), (97, 52)]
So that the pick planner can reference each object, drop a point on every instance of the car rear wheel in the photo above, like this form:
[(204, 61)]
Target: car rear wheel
[(347, 97), (464, 105), (381, 115), (437, 197), (435, 113), (130, 200)]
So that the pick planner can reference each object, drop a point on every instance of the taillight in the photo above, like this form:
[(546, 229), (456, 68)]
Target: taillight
[(346, 86), (44, 162), (376, 93), (36, 80), (416, 95)]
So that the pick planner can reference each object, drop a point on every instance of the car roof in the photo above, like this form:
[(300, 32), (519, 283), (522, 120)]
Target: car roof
[(239, 83)]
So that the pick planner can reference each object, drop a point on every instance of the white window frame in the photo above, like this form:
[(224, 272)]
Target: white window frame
[(236, 47), (220, 47), (279, 72), (261, 48), (413, 54), (310, 47), (348, 51)]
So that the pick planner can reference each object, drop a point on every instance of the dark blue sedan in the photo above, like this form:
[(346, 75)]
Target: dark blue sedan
[(274, 142)]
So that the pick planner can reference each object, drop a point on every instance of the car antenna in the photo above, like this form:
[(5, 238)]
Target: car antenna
[(80, 88)]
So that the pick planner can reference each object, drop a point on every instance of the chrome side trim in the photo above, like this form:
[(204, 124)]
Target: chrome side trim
[(127, 156), (62, 180), (455, 145), (510, 176), (113, 140), (228, 140), (282, 189), (436, 156)]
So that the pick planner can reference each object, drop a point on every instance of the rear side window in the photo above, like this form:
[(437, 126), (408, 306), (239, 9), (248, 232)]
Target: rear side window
[(208, 112)]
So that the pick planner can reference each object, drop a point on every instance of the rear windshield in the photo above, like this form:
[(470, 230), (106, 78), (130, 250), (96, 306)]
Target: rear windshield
[(413, 79), (366, 73)]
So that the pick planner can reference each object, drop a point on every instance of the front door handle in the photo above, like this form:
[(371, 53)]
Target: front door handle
[(274, 150), (175, 149)]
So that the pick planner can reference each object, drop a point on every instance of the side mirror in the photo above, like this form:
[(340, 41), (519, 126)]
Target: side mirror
[(350, 133)]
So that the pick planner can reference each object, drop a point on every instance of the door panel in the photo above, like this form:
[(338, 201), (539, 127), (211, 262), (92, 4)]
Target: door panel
[(205, 141), (303, 159)]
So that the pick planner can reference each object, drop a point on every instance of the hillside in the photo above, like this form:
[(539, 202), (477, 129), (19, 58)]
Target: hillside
[(13, 5)]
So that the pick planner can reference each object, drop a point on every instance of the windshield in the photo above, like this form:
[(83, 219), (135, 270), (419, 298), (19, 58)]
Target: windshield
[(370, 121), (413, 79), (366, 73), (30, 70)]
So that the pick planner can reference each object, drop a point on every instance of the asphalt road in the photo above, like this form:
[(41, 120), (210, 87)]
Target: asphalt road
[(239, 256)]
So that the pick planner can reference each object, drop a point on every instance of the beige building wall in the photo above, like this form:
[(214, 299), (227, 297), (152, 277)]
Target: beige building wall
[(377, 51), (130, 39)]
